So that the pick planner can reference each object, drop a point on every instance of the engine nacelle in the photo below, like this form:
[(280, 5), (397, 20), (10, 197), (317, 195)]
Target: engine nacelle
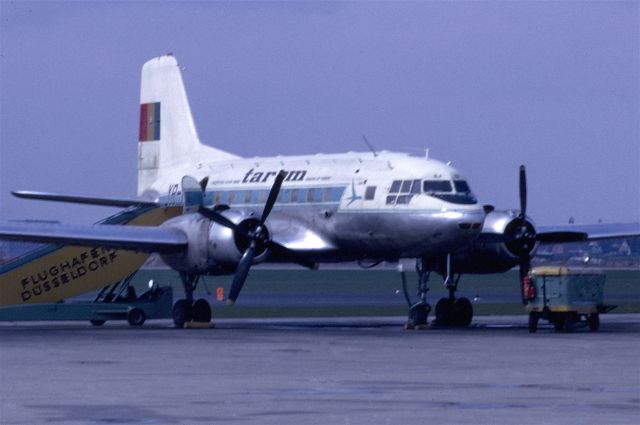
[(212, 247), (498, 247)]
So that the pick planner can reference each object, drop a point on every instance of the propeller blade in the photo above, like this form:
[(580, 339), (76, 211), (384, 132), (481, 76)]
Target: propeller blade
[(523, 192), (241, 273), (561, 237), (291, 255), (273, 195), (218, 218)]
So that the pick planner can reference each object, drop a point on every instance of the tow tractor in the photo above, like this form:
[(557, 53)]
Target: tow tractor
[(114, 302), (564, 297)]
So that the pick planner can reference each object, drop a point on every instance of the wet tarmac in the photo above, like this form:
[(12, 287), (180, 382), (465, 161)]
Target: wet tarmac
[(320, 371)]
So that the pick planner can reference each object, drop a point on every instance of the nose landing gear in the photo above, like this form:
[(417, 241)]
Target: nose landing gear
[(449, 311), (419, 311)]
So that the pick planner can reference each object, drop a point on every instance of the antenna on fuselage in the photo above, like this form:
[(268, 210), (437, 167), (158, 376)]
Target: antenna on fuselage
[(369, 146)]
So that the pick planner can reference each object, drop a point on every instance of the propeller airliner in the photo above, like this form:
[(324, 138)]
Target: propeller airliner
[(210, 212)]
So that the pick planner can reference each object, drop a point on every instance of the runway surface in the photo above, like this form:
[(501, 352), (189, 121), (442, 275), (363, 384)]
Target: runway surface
[(320, 371)]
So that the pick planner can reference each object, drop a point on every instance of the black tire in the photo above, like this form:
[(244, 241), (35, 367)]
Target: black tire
[(462, 312), (533, 322), (97, 322), (570, 322), (594, 322), (180, 313), (558, 323), (418, 315), (201, 311), (444, 312), (136, 317)]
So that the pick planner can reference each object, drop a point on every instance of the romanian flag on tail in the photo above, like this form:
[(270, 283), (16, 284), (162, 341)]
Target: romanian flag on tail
[(149, 122)]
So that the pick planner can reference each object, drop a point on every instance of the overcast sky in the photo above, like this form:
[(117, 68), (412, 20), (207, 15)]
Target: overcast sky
[(488, 85)]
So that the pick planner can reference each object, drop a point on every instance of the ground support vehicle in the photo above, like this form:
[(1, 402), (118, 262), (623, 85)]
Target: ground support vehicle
[(114, 302), (564, 297)]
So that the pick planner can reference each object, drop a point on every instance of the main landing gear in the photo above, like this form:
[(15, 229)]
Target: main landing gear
[(185, 310), (450, 311)]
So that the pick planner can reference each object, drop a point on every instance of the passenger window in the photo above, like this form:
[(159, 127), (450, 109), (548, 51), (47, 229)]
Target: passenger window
[(370, 193), (395, 186), (232, 197), (336, 194), (216, 198), (326, 194), (285, 196), (310, 195), (247, 196), (294, 195)]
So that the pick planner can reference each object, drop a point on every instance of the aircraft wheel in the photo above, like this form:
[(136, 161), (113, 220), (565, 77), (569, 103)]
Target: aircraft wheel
[(201, 311), (418, 314), (444, 312), (462, 312), (558, 323), (570, 321), (136, 317), (181, 313), (533, 322), (97, 322), (594, 322)]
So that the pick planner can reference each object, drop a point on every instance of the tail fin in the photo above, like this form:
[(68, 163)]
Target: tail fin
[(168, 136)]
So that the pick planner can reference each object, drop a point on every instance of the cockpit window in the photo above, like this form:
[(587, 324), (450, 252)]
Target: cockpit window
[(461, 186), (442, 189), (415, 187), (401, 191), (435, 186)]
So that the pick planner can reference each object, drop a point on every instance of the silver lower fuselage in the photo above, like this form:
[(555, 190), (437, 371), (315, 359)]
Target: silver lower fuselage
[(384, 235)]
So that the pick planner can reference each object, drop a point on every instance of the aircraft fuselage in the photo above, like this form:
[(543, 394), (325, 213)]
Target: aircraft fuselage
[(387, 206)]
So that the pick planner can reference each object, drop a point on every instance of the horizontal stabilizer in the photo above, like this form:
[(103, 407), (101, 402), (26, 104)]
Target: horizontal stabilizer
[(120, 203), (139, 238)]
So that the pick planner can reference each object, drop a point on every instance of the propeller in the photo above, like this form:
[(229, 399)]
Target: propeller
[(258, 239), (524, 236)]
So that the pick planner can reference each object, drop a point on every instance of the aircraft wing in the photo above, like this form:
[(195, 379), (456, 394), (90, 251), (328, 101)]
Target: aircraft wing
[(120, 203), (597, 231), (139, 238)]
